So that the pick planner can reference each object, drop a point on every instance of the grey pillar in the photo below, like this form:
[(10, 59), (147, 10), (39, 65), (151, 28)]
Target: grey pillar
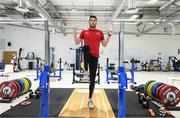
[(47, 43), (121, 44)]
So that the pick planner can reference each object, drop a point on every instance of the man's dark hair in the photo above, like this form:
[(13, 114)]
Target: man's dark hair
[(92, 17)]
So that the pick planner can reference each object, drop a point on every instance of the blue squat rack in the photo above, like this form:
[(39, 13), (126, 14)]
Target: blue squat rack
[(59, 76), (122, 81)]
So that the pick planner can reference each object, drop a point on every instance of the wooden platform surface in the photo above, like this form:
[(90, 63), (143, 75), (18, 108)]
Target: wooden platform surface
[(76, 105)]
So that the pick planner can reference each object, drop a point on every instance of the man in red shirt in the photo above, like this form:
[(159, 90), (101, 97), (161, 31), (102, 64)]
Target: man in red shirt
[(92, 38)]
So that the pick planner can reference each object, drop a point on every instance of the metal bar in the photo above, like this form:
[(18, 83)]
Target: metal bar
[(60, 69), (119, 9), (122, 81), (166, 5), (121, 45), (47, 43), (45, 14), (107, 71), (176, 17), (113, 32)]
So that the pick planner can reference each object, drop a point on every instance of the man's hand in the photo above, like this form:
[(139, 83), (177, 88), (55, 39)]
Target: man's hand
[(109, 32), (75, 29)]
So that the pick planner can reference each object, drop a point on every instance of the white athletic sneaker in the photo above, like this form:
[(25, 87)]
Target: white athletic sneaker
[(90, 104), (86, 76)]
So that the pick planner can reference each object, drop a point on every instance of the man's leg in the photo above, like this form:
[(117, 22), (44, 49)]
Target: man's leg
[(86, 57), (86, 61), (93, 61)]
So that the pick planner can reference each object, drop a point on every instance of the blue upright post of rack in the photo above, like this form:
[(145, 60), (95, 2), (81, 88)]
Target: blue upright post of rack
[(44, 79), (44, 104), (122, 82), (122, 92)]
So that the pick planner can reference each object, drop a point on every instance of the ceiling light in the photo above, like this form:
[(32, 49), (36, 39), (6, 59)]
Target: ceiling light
[(74, 10), (134, 16), (21, 9), (132, 11), (152, 1), (21, 6), (42, 16), (131, 4), (27, 3)]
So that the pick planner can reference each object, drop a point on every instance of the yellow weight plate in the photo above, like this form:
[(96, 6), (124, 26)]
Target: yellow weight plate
[(29, 81), (26, 85), (149, 88)]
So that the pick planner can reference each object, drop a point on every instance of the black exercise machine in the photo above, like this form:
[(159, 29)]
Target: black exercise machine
[(175, 63)]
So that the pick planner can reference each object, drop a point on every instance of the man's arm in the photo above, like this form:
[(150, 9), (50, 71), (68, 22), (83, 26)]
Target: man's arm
[(76, 39), (105, 42)]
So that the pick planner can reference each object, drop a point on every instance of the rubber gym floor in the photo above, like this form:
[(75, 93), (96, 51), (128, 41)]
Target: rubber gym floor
[(62, 90)]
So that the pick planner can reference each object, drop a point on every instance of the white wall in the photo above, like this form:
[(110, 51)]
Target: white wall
[(2, 43), (143, 47)]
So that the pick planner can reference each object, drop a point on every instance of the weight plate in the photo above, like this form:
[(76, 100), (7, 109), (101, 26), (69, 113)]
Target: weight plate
[(26, 85), (158, 89), (25, 103), (29, 81), (154, 88), (21, 84), (147, 83), (149, 88), (8, 90), (18, 87), (169, 95)]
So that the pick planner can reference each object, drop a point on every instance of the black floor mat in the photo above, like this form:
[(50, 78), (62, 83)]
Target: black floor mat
[(60, 96), (133, 108), (57, 101)]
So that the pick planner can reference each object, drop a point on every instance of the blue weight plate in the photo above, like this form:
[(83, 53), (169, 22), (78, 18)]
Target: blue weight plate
[(155, 87), (21, 84)]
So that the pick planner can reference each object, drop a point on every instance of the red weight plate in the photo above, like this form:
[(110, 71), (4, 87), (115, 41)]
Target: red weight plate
[(25, 103), (169, 95), (18, 86), (158, 89), (8, 90)]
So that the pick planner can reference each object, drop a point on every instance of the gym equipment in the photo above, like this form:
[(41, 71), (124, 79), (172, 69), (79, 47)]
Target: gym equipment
[(25, 103), (39, 70), (175, 63), (36, 94), (79, 56), (157, 96), (80, 75), (151, 102), (122, 83), (16, 61), (145, 66), (2, 66), (156, 65), (134, 63), (114, 74), (30, 56), (14, 88), (110, 69), (168, 95)]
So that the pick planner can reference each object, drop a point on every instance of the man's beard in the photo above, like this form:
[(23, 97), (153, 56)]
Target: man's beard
[(94, 26)]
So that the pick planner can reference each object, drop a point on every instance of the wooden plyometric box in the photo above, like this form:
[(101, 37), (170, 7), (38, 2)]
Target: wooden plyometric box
[(7, 56)]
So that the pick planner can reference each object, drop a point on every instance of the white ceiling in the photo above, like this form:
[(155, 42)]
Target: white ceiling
[(70, 11)]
